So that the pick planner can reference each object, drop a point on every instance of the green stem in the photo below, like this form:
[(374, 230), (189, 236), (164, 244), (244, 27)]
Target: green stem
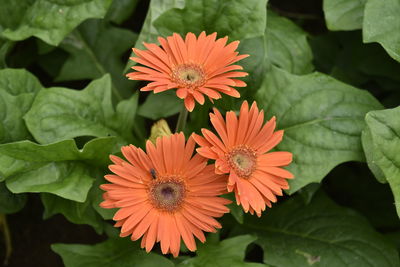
[(180, 125), (7, 237)]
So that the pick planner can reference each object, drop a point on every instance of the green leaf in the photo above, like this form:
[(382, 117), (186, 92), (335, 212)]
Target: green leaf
[(70, 180), (319, 234), (341, 184), (381, 141), (120, 10), (238, 19), (287, 45), (5, 47), (9, 202), (382, 25), (75, 212), (358, 63), (87, 212), (113, 252), (344, 15), (61, 113), (322, 119), (96, 197), (160, 105), (93, 53), (17, 91), (55, 168), (148, 32), (235, 210), (229, 252), (48, 20), (307, 193)]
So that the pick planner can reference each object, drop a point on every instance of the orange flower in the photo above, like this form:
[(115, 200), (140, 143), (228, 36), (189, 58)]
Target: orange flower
[(165, 195), (194, 66), (241, 151)]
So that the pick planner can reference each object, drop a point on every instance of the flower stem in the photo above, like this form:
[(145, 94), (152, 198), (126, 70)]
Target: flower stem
[(7, 237), (180, 125)]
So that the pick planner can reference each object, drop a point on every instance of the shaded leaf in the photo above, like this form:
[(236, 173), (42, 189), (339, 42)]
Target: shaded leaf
[(344, 15), (287, 45), (161, 105), (61, 113), (148, 32), (235, 210), (382, 25), (5, 47), (87, 212), (319, 234), (322, 119), (9, 202), (353, 185), (48, 20), (113, 252), (120, 10), (75, 212), (95, 49), (381, 141), (17, 91), (228, 252)]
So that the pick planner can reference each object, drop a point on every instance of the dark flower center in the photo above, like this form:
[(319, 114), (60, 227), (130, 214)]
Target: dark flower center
[(168, 194)]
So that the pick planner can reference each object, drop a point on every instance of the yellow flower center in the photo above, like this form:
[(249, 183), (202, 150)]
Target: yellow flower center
[(188, 75), (243, 160), (167, 193)]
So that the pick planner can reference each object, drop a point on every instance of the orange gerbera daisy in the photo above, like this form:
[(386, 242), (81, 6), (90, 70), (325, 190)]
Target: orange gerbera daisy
[(165, 195), (194, 66), (241, 151)]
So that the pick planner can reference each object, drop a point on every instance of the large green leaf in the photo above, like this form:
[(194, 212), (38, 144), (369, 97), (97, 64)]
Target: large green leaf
[(344, 15), (55, 168), (60, 113), (238, 19), (381, 141), (9, 202), (113, 252), (382, 25), (319, 234), (17, 91), (229, 252), (93, 54), (287, 45), (322, 118), (48, 20)]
